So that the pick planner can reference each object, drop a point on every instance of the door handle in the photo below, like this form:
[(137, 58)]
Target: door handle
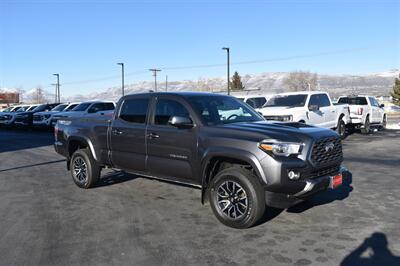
[(153, 136), (116, 132)]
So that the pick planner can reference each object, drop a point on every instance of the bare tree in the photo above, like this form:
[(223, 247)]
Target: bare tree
[(301, 81), (40, 96), (202, 85), (21, 93)]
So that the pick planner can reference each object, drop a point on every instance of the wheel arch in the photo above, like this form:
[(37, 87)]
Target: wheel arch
[(215, 161), (78, 142)]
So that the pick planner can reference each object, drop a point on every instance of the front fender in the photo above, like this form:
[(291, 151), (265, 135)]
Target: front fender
[(233, 153)]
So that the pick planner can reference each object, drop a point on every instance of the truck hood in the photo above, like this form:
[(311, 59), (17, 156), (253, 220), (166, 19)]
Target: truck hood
[(47, 113), (24, 113), (288, 132), (280, 110), (69, 114)]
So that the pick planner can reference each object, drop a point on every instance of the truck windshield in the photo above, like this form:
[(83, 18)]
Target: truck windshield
[(81, 107), (40, 108), (353, 100), (59, 107), (31, 108), (71, 107), (287, 100), (216, 110), (23, 109)]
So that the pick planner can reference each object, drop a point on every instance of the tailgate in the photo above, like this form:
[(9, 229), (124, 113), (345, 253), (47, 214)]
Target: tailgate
[(357, 109)]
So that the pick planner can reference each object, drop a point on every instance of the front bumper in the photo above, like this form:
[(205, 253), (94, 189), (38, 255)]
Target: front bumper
[(355, 119), (6, 122), (310, 188), (22, 123), (45, 123)]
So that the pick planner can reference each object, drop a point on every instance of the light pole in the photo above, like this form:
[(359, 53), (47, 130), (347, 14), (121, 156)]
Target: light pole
[(123, 78), (58, 98), (227, 63), (154, 70)]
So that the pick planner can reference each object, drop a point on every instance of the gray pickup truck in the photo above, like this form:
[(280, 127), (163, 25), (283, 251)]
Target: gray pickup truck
[(241, 162)]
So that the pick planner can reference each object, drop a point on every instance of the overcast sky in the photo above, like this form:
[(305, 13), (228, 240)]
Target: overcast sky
[(83, 40)]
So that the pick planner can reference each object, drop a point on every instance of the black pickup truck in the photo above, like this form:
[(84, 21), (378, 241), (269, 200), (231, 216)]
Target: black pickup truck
[(241, 162)]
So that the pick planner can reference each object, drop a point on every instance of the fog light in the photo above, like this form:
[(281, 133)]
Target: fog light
[(293, 175)]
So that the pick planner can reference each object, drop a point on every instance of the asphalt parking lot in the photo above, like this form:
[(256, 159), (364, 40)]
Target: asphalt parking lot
[(47, 220)]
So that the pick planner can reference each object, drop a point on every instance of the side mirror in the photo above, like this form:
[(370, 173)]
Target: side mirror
[(382, 105), (313, 108), (180, 122)]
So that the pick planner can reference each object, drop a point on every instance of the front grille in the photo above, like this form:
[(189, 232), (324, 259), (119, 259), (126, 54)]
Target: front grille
[(275, 117), (327, 151), (37, 118)]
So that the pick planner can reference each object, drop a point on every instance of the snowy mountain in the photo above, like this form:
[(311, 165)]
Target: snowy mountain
[(7, 90), (375, 83), (262, 83)]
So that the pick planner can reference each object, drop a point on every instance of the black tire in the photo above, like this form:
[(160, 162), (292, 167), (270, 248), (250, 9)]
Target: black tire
[(367, 126), (84, 170), (341, 128), (248, 186)]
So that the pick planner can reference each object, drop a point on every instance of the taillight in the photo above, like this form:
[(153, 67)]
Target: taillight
[(55, 131), (360, 111)]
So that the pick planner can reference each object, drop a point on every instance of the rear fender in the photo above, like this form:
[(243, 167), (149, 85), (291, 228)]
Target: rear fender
[(84, 140)]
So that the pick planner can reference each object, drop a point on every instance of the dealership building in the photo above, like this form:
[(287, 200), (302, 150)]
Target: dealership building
[(9, 98)]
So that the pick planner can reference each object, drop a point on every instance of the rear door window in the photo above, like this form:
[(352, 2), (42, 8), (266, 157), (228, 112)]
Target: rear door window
[(135, 110), (324, 100), (313, 100)]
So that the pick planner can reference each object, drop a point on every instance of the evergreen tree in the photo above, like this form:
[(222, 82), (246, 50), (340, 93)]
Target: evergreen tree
[(236, 83), (396, 91)]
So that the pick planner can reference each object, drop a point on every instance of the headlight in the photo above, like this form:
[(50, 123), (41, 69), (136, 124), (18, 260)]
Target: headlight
[(286, 118), (282, 148)]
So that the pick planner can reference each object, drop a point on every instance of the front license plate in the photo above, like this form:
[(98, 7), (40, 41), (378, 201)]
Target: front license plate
[(336, 181)]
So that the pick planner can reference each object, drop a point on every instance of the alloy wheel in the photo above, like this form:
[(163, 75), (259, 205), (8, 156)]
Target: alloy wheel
[(232, 199), (80, 170)]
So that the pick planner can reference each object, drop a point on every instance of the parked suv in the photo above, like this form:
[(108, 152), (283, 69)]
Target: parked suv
[(86, 109), (215, 142), (365, 111), (309, 107), (26, 118), (45, 118), (8, 118)]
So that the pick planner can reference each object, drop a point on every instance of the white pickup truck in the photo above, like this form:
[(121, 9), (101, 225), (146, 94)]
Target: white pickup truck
[(365, 111), (309, 107), (255, 101)]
